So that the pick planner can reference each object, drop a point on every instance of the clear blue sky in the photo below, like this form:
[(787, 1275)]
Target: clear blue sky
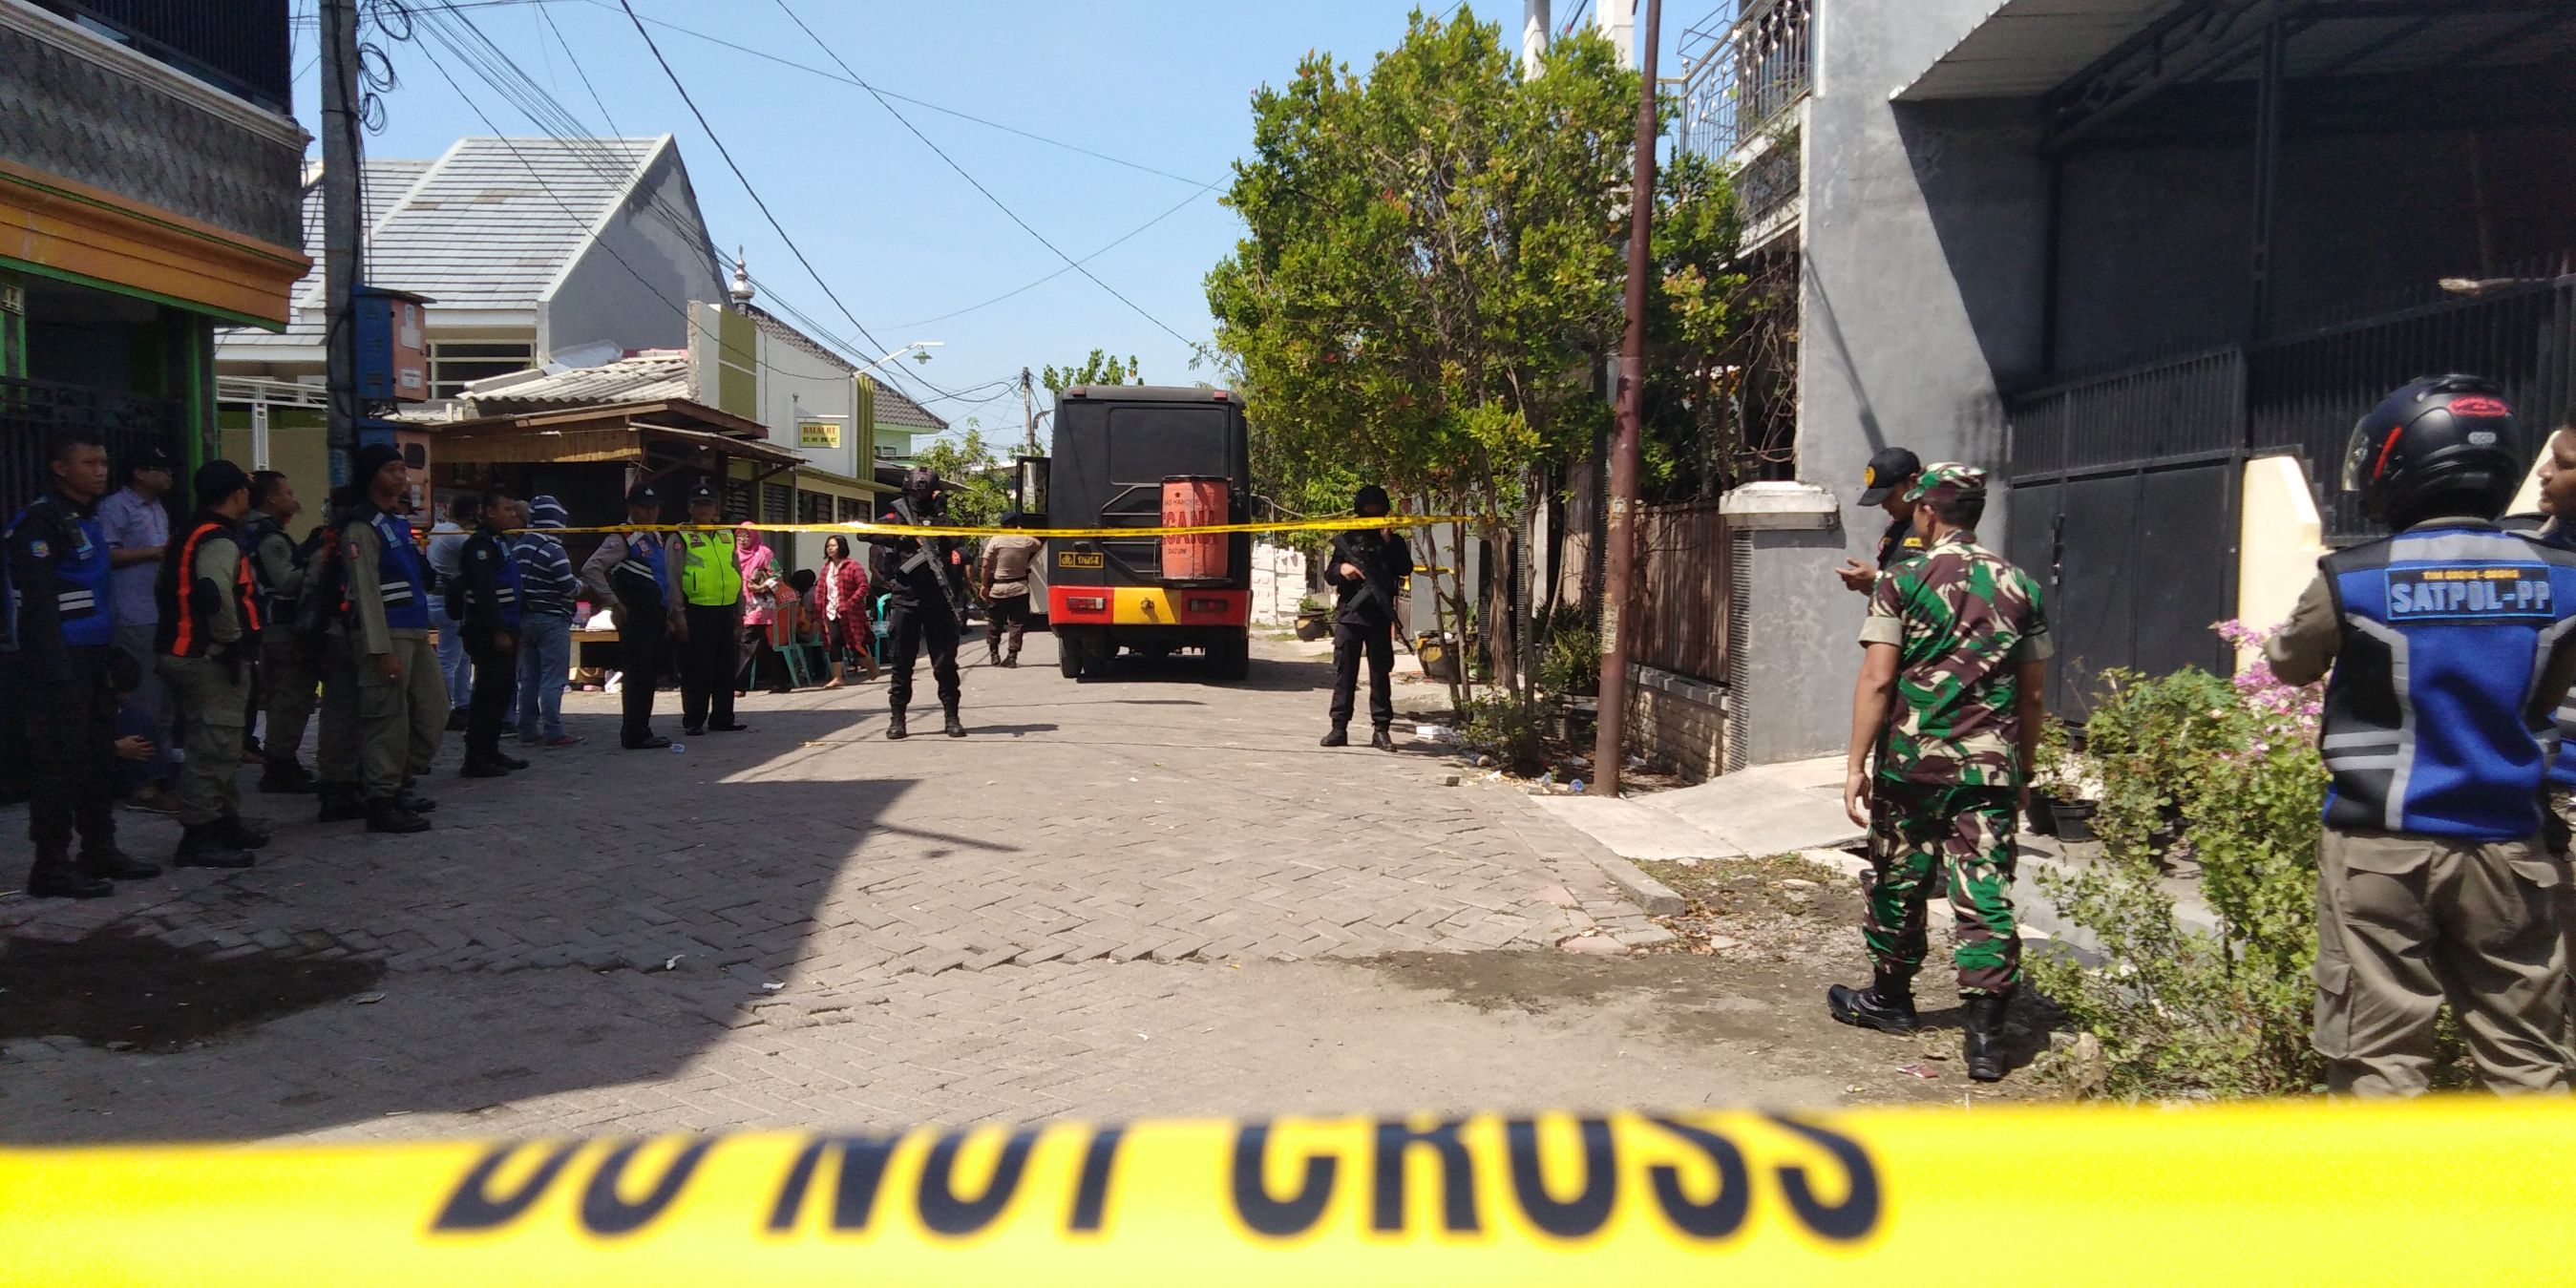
[(901, 238)]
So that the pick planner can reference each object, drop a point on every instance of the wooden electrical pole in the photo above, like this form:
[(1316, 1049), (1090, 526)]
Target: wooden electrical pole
[(340, 218), (1609, 748)]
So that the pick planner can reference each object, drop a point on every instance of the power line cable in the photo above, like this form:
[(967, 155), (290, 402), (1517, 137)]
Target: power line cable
[(747, 186), (1132, 235), (503, 74), (852, 79), (1076, 265)]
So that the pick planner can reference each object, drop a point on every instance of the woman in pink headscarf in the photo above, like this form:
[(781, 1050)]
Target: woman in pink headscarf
[(760, 591)]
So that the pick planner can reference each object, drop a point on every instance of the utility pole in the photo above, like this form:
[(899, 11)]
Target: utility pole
[(340, 216), (1534, 21), (1028, 415), (1609, 748)]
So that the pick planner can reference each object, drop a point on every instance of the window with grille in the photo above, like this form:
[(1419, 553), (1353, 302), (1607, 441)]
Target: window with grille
[(737, 501), (776, 502), (853, 510), (454, 364), (813, 507)]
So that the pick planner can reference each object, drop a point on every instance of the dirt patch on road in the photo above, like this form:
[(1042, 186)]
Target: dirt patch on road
[(1765, 1017), (127, 992)]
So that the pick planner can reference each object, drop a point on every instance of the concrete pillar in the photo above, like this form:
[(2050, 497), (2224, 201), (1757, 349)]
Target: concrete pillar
[(1534, 27), (1618, 20)]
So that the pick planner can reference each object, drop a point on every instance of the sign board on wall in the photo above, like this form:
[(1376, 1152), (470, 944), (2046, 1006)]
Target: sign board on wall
[(818, 431)]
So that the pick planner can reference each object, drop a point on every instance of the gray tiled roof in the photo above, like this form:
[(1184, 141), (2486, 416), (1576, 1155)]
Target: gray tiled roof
[(488, 225), (893, 407), (651, 376)]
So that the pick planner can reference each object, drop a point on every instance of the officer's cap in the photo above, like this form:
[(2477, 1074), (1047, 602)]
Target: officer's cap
[(1892, 469), (1947, 481), (218, 479), (704, 491), (643, 494)]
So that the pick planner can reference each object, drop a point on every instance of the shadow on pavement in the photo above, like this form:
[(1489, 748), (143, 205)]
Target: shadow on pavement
[(609, 934)]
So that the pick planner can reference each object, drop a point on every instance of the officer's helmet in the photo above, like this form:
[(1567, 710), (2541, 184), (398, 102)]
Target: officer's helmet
[(2450, 436)]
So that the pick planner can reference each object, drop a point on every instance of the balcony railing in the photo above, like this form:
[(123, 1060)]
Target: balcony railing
[(238, 46), (1746, 65)]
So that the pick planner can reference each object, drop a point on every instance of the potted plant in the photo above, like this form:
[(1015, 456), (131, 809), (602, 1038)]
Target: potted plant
[(2062, 787), (1314, 619)]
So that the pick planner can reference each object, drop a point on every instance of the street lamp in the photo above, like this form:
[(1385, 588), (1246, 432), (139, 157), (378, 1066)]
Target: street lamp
[(920, 350)]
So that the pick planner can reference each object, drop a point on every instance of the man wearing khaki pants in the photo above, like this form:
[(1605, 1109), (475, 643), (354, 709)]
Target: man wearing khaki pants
[(402, 696)]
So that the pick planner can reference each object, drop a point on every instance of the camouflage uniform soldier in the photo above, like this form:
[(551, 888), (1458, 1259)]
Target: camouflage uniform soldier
[(1949, 701)]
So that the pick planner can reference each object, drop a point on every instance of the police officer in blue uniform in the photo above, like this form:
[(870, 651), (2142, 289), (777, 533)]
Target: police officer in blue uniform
[(56, 633), (2452, 643), (629, 570)]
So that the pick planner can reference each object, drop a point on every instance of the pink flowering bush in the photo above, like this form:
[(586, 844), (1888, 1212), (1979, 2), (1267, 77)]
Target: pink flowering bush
[(2226, 770)]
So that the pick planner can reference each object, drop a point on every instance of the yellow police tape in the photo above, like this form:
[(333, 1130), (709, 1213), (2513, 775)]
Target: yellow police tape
[(2312, 1192), (954, 530)]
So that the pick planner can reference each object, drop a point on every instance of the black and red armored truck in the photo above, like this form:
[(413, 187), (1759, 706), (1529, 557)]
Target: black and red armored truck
[(1140, 456)]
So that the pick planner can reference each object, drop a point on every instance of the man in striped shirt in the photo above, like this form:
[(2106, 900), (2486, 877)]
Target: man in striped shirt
[(547, 589)]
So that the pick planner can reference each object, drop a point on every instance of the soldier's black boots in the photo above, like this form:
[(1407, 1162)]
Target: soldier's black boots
[(1887, 1005), (413, 800), (204, 846), (284, 777), (895, 729), (1339, 737), (341, 802), (238, 834), (955, 728), (55, 877), (1381, 741), (1985, 1044), (477, 766), (388, 814), (117, 865)]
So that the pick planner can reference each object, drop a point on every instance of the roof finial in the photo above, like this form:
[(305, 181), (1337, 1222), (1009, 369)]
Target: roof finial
[(742, 288)]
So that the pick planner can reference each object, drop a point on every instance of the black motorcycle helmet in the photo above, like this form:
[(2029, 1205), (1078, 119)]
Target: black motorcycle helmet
[(1371, 502), (2451, 439)]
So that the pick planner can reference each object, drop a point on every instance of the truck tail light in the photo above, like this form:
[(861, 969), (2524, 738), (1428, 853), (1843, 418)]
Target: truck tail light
[(1206, 605), (1087, 603)]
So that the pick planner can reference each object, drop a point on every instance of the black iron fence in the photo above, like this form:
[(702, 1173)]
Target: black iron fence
[(2304, 392), (2124, 486), (33, 411)]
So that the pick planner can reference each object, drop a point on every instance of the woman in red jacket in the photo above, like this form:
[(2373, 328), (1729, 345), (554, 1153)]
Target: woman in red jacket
[(842, 595)]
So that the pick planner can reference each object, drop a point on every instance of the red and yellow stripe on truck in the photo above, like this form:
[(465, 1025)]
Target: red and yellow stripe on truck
[(1147, 606)]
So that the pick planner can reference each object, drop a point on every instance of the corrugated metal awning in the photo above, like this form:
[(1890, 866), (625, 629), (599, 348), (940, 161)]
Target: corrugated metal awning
[(2026, 48)]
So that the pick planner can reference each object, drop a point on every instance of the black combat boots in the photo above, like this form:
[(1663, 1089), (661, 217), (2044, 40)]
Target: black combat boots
[(55, 876), (895, 728), (341, 802), (284, 777), (204, 846), (955, 728), (1887, 1005), (1339, 737), (1985, 1042), (389, 814), (1381, 740), (117, 865), (232, 831)]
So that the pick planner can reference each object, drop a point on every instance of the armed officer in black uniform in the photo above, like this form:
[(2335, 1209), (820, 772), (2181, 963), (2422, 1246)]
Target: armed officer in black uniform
[(922, 575), (1365, 567)]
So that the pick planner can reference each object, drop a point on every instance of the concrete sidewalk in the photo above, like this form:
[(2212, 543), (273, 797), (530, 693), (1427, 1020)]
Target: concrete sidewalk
[(1796, 808)]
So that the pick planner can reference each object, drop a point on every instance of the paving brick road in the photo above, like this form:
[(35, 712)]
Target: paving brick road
[(1144, 895)]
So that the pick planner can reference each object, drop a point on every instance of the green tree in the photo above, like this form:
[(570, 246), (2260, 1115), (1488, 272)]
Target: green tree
[(978, 493), (1433, 271), (1101, 368)]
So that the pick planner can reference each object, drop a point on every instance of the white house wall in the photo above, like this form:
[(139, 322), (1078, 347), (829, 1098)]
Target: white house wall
[(632, 285)]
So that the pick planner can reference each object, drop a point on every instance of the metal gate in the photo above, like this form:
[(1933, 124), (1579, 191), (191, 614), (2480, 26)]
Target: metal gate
[(2124, 504), (2124, 487), (33, 411)]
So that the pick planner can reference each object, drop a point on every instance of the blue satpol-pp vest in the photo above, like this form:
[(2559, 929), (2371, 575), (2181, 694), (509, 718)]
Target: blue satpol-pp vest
[(2435, 723), (402, 574), (81, 583)]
